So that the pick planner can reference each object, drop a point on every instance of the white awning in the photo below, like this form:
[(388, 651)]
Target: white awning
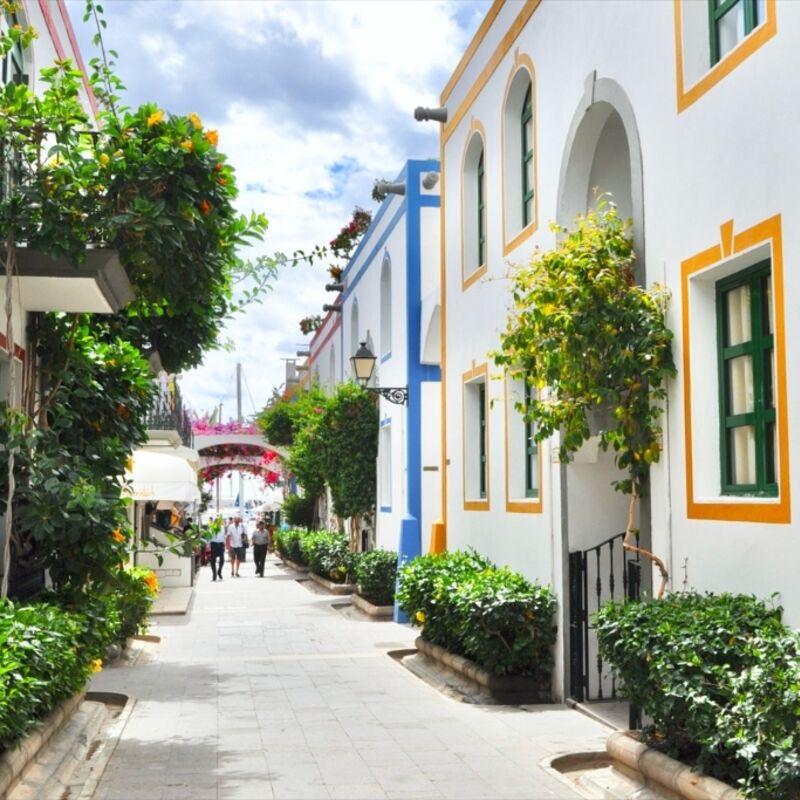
[(192, 456), (162, 476)]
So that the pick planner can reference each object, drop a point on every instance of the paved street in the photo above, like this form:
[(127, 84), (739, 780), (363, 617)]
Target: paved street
[(265, 690)]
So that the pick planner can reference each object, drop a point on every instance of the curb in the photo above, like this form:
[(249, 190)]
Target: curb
[(106, 750), (513, 689), (333, 588), (662, 772), (13, 762), (295, 567), (379, 612)]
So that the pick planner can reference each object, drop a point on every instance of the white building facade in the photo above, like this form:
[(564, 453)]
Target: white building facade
[(681, 112)]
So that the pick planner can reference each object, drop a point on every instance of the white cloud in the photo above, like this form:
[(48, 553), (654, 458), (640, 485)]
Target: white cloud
[(294, 89)]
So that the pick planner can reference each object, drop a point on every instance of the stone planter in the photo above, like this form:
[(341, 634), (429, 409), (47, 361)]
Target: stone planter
[(330, 586), (295, 567), (378, 612), (666, 776), (504, 689), (14, 761)]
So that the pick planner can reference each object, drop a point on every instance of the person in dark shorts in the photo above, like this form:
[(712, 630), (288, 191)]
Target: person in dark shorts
[(260, 542)]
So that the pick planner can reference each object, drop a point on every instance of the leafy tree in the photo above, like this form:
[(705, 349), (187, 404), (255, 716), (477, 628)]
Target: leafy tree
[(349, 446)]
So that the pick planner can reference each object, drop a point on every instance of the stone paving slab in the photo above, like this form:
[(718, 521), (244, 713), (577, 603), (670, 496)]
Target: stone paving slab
[(266, 690), (173, 600)]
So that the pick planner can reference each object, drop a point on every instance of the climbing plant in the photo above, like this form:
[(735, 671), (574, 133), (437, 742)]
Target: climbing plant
[(588, 339), (348, 433)]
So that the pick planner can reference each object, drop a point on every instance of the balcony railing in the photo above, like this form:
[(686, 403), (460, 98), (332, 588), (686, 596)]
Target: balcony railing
[(168, 414)]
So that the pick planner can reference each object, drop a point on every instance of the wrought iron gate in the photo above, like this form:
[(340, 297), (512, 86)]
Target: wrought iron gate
[(597, 575)]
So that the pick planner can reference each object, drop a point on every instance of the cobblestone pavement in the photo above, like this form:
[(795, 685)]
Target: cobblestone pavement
[(266, 690)]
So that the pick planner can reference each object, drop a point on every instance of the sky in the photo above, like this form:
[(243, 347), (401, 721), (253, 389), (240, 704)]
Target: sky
[(313, 102)]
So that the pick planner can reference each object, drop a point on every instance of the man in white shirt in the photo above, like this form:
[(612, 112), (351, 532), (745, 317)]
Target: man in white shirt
[(217, 551), (236, 544)]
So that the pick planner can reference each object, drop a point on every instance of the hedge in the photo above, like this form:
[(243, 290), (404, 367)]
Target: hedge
[(719, 675), (490, 615), (376, 574), (48, 649)]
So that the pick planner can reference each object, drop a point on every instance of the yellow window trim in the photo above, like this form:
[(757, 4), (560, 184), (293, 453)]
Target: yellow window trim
[(470, 376), (521, 61), (778, 511), (476, 127), (763, 33), (531, 505), (486, 73)]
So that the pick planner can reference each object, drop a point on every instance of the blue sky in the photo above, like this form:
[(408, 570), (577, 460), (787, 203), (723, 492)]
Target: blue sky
[(313, 101)]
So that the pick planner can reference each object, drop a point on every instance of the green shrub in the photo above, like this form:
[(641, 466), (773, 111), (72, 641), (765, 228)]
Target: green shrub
[(134, 590), (720, 677), (376, 573), (505, 623), (328, 554), (98, 617), (493, 616), (299, 510), (425, 589), (41, 663), (287, 543)]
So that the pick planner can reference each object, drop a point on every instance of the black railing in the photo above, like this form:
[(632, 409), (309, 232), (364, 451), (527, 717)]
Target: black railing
[(595, 575), (168, 414)]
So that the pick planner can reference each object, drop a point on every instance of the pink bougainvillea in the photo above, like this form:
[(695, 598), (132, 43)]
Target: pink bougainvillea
[(203, 427)]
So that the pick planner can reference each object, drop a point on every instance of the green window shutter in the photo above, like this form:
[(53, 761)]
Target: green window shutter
[(531, 451), (729, 21), (481, 213), (482, 442), (746, 383), (526, 122)]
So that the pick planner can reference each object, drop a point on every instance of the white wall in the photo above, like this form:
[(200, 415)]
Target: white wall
[(729, 155)]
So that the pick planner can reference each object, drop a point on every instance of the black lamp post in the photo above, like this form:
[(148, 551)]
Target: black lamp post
[(364, 365)]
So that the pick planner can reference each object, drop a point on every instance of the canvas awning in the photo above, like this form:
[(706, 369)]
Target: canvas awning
[(162, 476)]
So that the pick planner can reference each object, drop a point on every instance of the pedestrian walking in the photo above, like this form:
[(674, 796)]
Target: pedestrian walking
[(217, 550), (260, 543), (235, 533)]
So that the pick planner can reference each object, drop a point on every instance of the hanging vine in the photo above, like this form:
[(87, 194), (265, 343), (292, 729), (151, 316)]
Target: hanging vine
[(588, 339)]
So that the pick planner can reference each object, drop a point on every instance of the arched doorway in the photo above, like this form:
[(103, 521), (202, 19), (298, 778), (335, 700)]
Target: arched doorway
[(602, 155)]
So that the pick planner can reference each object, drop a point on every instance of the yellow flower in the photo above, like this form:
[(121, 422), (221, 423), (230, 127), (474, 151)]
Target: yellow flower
[(96, 665), (117, 535), (103, 159), (129, 464), (187, 145), (420, 617), (212, 137), (152, 582), (155, 118), (197, 123)]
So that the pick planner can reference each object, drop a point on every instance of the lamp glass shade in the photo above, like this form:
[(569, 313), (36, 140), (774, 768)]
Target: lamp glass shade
[(363, 364)]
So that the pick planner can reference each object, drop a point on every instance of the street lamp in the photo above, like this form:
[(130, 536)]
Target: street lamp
[(364, 365)]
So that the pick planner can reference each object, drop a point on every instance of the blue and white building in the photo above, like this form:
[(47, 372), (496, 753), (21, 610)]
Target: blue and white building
[(390, 302)]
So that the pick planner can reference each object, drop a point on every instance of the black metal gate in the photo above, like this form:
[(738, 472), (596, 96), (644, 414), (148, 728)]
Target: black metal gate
[(597, 575)]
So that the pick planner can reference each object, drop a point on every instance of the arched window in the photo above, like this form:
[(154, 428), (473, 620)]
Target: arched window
[(519, 157), (386, 307), (473, 220)]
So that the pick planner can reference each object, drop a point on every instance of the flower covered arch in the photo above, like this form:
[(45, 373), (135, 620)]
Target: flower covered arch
[(228, 447)]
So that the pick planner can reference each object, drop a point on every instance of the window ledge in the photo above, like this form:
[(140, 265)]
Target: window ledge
[(474, 276)]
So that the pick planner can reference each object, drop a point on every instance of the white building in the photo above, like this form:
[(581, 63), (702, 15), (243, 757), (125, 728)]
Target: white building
[(683, 113)]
